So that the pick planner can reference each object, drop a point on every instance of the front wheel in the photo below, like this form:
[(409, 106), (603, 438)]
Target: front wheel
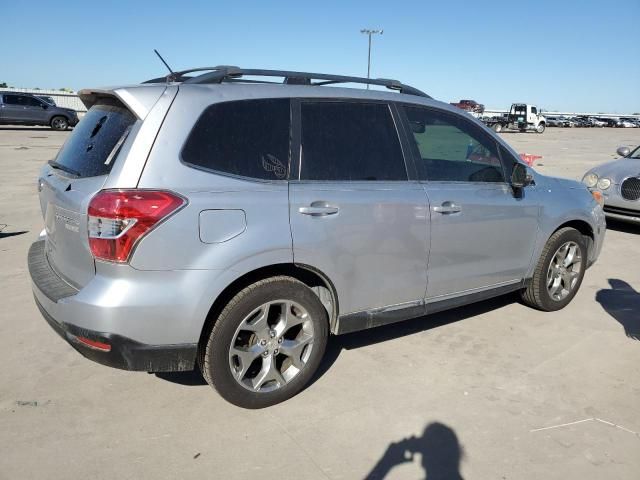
[(266, 344), (59, 123), (559, 272), (497, 127), (540, 128)]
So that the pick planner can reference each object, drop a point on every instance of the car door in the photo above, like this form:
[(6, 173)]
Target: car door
[(482, 232), (532, 114), (354, 214), (11, 109), (34, 110)]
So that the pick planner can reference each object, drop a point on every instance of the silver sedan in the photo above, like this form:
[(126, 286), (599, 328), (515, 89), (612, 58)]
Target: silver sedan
[(619, 184)]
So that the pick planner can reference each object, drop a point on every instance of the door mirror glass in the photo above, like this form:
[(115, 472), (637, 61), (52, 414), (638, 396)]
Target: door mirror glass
[(623, 151), (520, 176)]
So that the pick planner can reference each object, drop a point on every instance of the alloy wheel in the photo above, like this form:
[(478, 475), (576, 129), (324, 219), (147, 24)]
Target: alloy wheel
[(564, 270), (271, 346)]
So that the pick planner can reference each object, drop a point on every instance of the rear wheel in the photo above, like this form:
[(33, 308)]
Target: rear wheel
[(59, 123), (497, 127), (266, 344), (559, 272)]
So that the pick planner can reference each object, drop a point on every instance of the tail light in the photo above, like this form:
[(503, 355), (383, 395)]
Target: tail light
[(119, 219)]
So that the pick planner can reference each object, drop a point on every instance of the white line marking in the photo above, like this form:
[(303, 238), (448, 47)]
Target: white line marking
[(637, 434)]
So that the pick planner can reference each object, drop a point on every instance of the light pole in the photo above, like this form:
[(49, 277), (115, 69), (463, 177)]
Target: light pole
[(370, 32)]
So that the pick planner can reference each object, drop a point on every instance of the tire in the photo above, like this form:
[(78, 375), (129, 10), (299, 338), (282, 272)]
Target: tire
[(540, 292), (261, 373), (497, 127), (541, 128), (59, 123)]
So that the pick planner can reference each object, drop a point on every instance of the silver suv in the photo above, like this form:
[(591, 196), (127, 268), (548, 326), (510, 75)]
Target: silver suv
[(221, 220)]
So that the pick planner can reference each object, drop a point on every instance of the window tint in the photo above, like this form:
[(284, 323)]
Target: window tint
[(12, 99), (248, 138), (534, 110), (452, 148), (350, 141), (31, 102), (94, 142)]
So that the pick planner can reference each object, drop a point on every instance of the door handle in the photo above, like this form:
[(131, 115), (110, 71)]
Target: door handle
[(319, 209), (447, 208)]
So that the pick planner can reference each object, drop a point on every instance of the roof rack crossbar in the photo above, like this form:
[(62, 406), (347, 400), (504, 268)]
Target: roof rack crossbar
[(224, 73)]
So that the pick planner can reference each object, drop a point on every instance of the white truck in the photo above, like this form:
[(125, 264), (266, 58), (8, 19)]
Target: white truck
[(522, 117)]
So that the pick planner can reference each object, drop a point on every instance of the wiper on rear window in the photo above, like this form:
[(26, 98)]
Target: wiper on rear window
[(64, 168)]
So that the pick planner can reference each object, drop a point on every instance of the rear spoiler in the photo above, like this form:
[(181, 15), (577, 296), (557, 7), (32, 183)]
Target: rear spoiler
[(138, 99)]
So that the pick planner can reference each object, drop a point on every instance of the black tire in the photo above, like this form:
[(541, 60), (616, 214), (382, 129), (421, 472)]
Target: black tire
[(541, 128), (214, 358), (59, 123), (497, 127), (536, 295)]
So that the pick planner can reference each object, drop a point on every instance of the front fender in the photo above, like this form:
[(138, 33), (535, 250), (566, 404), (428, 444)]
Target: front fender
[(563, 205)]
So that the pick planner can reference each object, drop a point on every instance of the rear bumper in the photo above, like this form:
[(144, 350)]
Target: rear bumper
[(124, 353), (71, 316)]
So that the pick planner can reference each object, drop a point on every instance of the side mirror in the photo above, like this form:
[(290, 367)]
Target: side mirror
[(418, 127), (520, 176), (623, 151)]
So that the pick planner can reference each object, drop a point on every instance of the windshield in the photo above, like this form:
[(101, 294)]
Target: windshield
[(91, 149), (635, 153)]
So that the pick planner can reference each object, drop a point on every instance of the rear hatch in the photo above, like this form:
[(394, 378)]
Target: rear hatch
[(68, 183)]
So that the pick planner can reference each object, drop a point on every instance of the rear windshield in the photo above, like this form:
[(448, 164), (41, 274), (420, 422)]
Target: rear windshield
[(92, 147)]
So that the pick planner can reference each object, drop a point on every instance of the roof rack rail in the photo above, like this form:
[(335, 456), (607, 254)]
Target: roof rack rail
[(227, 73)]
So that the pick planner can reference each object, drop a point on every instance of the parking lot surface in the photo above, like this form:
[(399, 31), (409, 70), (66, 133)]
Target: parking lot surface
[(490, 391)]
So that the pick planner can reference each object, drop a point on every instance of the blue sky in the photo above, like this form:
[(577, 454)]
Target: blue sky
[(560, 55)]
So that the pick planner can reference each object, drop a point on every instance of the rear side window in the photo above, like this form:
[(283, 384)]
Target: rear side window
[(249, 138), (350, 141), (12, 99), (91, 149)]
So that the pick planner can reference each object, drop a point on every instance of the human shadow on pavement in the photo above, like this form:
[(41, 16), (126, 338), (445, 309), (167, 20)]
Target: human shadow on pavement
[(371, 336), (622, 302), (439, 449)]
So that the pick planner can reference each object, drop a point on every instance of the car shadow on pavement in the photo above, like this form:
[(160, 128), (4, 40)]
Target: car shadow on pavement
[(624, 227), (4, 234), (369, 337), (384, 333), (29, 129), (622, 302), (439, 449)]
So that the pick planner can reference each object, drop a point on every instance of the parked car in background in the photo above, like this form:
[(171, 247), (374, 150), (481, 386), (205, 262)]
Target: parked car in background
[(47, 99), (619, 183), (567, 122), (554, 122), (611, 122), (470, 106), (27, 109), (596, 122), (188, 237), (580, 122), (627, 123)]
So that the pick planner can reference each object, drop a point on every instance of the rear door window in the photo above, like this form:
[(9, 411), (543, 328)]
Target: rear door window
[(94, 143), (350, 141), (248, 138), (31, 102)]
